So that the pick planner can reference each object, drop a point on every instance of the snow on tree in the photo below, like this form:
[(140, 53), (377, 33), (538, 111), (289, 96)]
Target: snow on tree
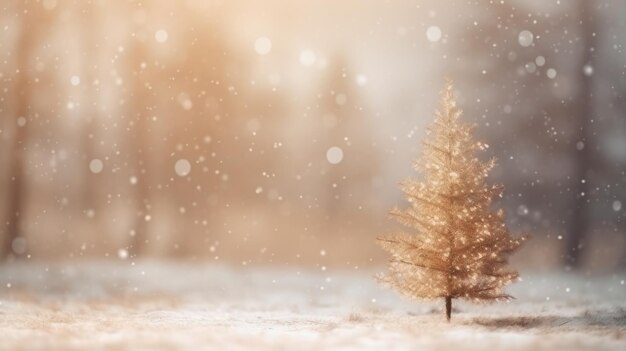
[(459, 246)]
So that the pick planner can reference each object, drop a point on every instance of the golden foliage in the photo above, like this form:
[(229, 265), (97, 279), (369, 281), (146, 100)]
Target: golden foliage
[(458, 246)]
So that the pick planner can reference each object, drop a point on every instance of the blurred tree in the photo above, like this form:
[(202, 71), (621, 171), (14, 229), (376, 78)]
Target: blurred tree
[(140, 101), (34, 22), (90, 40), (579, 225), (204, 80), (346, 155)]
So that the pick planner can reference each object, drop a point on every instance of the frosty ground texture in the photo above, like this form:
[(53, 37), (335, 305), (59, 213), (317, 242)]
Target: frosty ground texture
[(184, 306)]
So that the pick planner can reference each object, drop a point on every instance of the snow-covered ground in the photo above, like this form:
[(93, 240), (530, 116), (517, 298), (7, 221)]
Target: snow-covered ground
[(184, 306)]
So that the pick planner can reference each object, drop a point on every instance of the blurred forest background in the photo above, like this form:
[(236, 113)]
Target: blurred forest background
[(261, 132)]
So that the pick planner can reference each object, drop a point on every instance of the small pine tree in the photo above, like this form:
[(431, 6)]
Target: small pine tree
[(459, 246)]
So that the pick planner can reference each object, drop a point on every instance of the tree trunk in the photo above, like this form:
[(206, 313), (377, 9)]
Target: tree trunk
[(17, 188), (29, 33), (448, 308), (15, 194), (139, 98), (579, 222), (90, 45)]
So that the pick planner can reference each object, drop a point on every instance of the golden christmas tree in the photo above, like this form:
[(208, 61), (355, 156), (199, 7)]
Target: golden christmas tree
[(458, 246)]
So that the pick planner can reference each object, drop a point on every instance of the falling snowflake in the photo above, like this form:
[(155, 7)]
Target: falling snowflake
[(334, 155), (262, 45), (433, 34), (182, 167)]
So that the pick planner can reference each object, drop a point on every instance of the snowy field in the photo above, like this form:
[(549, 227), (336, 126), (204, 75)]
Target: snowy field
[(180, 306)]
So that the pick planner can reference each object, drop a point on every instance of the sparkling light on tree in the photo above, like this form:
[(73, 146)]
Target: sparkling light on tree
[(458, 246)]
